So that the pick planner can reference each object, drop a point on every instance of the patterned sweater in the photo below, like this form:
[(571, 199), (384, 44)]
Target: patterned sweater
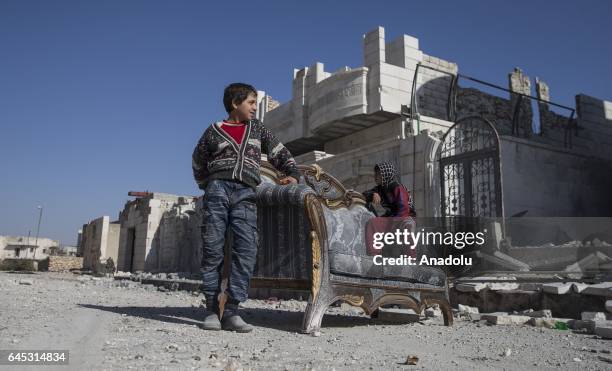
[(218, 156)]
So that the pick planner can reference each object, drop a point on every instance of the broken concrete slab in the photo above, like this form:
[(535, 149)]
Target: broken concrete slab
[(605, 331), (505, 319), (397, 315), (600, 289), (467, 309), (505, 261), (587, 325), (25, 281), (544, 313), (558, 288), (590, 262), (470, 287), (542, 322), (593, 316), (578, 287)]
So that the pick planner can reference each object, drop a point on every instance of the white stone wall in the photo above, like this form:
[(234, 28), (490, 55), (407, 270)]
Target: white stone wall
[(549, 181), (26, 246), (148, 220), (100, 242)]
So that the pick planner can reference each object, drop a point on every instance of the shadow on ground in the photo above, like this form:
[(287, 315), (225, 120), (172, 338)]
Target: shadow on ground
[(271, 318)]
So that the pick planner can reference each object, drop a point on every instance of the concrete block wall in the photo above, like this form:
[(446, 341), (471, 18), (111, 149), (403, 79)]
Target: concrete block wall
[(433, 87), (549, 181), (414, 158)]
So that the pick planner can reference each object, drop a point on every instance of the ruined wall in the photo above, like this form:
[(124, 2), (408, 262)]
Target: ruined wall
[(100, 239), (26, 245), (151, 233), (550, 181), (413, 157), (178, 241), (64, 263)]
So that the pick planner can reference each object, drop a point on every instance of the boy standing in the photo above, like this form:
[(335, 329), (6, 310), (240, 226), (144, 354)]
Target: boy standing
[(226, 165)]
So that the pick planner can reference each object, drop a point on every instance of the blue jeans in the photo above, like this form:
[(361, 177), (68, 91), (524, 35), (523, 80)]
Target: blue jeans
[(229, 204)]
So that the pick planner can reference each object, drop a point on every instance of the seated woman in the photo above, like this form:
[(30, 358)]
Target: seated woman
[(389, 199)]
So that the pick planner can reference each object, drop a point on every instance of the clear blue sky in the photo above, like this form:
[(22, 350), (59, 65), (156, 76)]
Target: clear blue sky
[(98, 98)]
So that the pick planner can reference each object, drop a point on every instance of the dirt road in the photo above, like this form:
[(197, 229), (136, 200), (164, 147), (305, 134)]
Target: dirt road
[(113, 325)]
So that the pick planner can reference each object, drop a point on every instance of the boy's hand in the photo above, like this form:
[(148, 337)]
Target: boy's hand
[(376, 199), (288, 180)]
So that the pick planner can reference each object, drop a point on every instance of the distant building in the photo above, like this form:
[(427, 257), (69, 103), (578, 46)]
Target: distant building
[(99, 241), (23, 247)]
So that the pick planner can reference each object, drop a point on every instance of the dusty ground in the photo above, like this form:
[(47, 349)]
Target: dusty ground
[(111, 325)]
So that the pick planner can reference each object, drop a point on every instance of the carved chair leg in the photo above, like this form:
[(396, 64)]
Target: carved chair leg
[(445, 307), (315, 310)]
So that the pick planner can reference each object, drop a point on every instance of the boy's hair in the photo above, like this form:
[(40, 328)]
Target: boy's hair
[(236, 93)]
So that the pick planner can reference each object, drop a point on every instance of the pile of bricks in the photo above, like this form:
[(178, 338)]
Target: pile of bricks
[(64, 263)]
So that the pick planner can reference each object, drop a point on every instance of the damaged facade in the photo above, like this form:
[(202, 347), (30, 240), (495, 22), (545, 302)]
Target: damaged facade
[(98, 242), (26, 247), (400, 104), (159, 233)]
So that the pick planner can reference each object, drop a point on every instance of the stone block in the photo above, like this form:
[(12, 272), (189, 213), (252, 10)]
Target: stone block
[(605, 331), (557, 288), (544, 313), (593, 316), (397, 315), (600, 289), (467, 309), (505, 319), (578, 287), (542, 322), (578, 325)]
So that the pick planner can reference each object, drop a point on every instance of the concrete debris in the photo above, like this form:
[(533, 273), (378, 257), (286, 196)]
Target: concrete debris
[(557, 288), (542, 322), (578, 287), (590, 262), (470, 287), (433, 312), (593, 316), (467, 309), (397, 315), (603, 330), (501, 318), (576, 359), (412, 360), (507, 352), (27, 282), (504, 260), (600, 289), (586, 326), (609, 306), (544, 313)]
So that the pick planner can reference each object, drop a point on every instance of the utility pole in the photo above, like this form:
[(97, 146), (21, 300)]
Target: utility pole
[(40, 208)]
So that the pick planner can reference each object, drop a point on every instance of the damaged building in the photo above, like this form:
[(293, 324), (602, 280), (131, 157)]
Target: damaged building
[(460, 150), (159, 233), (98, 242)]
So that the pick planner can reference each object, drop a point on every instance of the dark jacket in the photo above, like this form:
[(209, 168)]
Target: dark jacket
[(218, 156), (395, 198)]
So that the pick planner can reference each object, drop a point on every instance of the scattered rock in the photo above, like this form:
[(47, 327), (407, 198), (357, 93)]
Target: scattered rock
[(467, 309), (542, 322), (26, 282), (557, 288), (576, 359), (397, 315), (505, 319), (593, 316), (507, 352), (172, 348), (544, 313), (411, 360), (315, 334), (603, 330), (433, 312)]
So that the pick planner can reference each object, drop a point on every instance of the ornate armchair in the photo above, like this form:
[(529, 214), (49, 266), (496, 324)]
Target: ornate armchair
[(312, 237)]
